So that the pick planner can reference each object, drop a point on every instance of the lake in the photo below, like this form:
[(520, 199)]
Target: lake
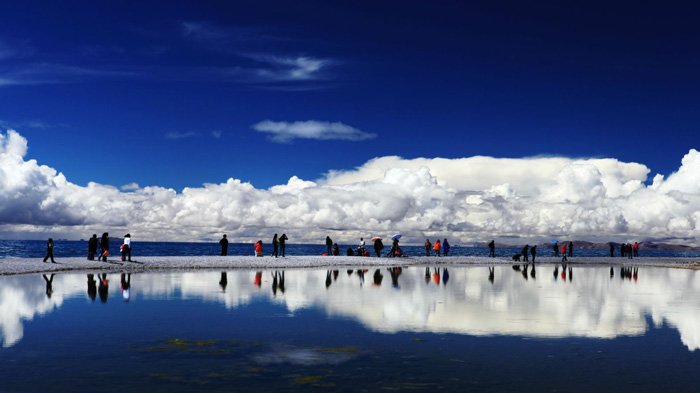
[(411, 328)]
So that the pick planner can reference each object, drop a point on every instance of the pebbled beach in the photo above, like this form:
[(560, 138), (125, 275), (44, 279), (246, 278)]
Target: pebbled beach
[(10, 266)]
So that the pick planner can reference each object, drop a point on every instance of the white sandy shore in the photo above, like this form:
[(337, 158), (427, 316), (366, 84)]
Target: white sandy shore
[(10, 266)]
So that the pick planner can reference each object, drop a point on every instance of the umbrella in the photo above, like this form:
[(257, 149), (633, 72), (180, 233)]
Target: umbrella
[(376, 238), (396, 236)]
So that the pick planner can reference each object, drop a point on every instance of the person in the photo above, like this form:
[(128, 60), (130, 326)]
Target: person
[(533, 252), (571, 248), (275, 246), (92, 284), (126, 248), (524, 253), (92, 247), (428, 246), (329, 245), (336, 250), (394, 247), (224, 245), (126, 286), (283, 241), (258, 248), (378, 247), (555, 248), (445, 247), (49, 251), (104, 246), (612, 249), (635, 249), (492, 249), (629, 251), (563, 252), (623, 248), (103, 288), (436, 247), (362, 246)]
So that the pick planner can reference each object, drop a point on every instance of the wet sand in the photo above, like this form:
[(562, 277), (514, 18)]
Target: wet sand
[(11, 266)]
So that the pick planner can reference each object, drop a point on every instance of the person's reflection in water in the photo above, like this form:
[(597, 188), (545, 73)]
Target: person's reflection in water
[(361, 276), (436, 276), (49, 285), (335, 275), (350, 272), (427, 275), (223, 282), (612, 272), (91, 287), (491, 274), (532, 271), (103, 288), (445, 276), (635, 274), (395, 272), (329, 280), (126, 286), (274, 283), (563, 273), (280, 284), (524, 271), (378, 277), (622, 273), (571, 274), (258, 279), (556, 273)]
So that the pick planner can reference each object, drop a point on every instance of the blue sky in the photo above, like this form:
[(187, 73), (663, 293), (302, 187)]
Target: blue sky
[(121, 92)]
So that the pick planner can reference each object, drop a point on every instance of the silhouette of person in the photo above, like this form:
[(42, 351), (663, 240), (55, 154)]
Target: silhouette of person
[(126, 286), (335, 275), (329, 280), (92, 247), (525, 253), (491, 274), (427, 275), (91, 287), (563, 253), (336, 249), (571, 274), (275, 246), (49, 285), (428, 245), (612, 249), (329, 245), (274, 283), (350, 252), (280, 281), (533, 274), (283, 242), (378, 247), (492, 249), (378, 277), (104, 246), (571, 249), (224, 245), (533, 252), (395, 272), (49, 251), (556, 273), (126, 248), (445, 276), (361, 276), (524, 271), (635, 249), (223, 282), (445, 248), (103, 288), (555, 248)]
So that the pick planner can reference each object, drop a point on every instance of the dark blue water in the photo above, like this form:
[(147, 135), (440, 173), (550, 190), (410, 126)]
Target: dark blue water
[(455, 329), (69, 248)]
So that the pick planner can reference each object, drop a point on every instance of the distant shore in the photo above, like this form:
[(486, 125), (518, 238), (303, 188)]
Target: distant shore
[(11, 266)]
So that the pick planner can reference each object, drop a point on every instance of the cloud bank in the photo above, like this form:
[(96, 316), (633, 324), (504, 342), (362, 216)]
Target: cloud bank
[(282, 131), (468, 199)]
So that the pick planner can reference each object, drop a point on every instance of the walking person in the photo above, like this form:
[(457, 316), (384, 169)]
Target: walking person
[(283, 241), (104, 246), (571, 249), (533, 252), (126, 248), (378, 247), (49, 251), (92, 247), (428, 246), (492, 249), (329, 245), (275, 246), (563, 252), (224, 246), (524, 252), (445, 247)]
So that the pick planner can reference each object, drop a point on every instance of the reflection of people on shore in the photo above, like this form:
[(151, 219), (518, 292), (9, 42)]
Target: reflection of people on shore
[(427, 275), (91, 287), (49, 285), (103, 288), (524, 271), (274, 283), (395, 272), (378, 277), (223, 282), (361, 276), (571, 274), (445, 276), (635, 274), (335, 275), (556, 273), (280, 284), (257, 281), (329, 280), (350, 271), (126, 286), (491, 274), (532, 271), (612, 272), (436, 276)]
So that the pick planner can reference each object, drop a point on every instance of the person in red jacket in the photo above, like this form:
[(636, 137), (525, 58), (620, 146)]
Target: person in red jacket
[(563, 252), (258, 248), (436, 247)]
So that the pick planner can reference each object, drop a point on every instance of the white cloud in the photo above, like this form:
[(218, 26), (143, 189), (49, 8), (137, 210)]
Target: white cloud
[(467, 199), (282, 131), (130, 187)]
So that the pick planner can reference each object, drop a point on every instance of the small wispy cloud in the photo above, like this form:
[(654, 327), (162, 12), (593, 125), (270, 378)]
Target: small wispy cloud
[(46, 73), (216, 134), (32, 123), (283, 132), (181, 135), (280, 69)]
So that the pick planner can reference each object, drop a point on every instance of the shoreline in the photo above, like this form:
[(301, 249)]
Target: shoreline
[(14, 266)]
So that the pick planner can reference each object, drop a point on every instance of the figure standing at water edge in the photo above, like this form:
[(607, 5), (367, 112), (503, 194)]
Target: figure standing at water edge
[(275, 246), (428, 246), (329, 245), (533, 252), (635, 249), (362, 246), (258, 248), (612, 249), (283, 241), (378, 247), (49, 250), (555, 248), (92, 247), (224, 245), (571, 249), (436, 247), (104, 246), (492, 249), (126, 248), (524, 252), (445, 247)]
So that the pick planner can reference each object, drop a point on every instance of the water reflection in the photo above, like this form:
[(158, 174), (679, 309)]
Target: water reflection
[(469, 300)]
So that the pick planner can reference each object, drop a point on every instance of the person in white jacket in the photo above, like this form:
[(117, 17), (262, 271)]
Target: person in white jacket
[(126, 248)]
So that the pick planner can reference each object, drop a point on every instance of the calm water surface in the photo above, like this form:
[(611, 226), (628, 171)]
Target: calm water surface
[(454, 329)]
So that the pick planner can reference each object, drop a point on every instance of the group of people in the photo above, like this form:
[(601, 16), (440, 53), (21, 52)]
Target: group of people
[(96, 247), (628, 250), (437, 247), (279, 244)]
